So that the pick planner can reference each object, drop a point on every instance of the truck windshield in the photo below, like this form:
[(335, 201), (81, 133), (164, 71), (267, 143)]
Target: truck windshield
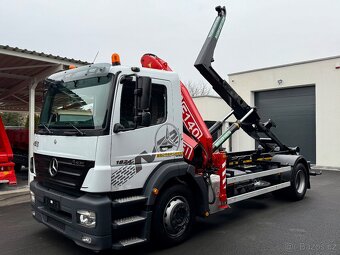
[(79, 103)]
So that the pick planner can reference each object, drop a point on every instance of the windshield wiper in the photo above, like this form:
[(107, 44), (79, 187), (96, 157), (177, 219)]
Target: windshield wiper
[(48, 130), (78, 130)]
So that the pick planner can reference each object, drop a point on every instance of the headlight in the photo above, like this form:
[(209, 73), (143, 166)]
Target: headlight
[(32, 197), (86, 218)]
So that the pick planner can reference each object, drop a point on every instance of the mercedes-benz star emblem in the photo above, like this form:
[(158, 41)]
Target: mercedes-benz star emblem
[(53, 168), (167, 137)]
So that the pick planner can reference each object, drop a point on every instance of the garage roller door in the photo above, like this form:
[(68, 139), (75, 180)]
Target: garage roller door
[(293, 111)]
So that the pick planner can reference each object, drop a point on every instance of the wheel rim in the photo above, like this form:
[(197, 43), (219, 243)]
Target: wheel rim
[(176, 216), (300, 181)]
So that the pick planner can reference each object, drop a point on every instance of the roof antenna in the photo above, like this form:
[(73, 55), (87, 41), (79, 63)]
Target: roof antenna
[(95, 57)]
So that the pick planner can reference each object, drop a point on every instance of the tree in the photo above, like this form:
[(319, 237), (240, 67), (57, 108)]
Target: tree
[(36, 121), (13, 118), (198, 89)]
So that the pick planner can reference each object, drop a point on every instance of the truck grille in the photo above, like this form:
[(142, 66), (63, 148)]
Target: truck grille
[(70, 173)]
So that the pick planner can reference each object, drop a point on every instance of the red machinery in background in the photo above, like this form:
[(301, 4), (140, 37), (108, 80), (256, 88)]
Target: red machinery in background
[(7, 173), (18, 138)]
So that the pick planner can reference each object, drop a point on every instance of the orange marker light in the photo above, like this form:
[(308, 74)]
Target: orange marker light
[(115, 59), (71, 67), (155, 191)]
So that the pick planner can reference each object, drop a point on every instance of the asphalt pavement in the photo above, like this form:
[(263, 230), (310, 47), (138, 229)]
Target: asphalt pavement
[(262, 225)]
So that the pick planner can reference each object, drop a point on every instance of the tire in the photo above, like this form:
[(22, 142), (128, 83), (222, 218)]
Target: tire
[(297, 190), (173, 216)]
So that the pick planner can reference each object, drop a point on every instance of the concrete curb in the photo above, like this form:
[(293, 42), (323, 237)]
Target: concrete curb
[(325, 168), (12, 197)]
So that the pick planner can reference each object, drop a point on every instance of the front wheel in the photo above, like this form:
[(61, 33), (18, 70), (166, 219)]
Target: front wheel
[(173, 216)]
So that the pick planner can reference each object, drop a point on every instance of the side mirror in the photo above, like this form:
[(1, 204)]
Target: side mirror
[(117, 128), (143, 93), (142, 101)]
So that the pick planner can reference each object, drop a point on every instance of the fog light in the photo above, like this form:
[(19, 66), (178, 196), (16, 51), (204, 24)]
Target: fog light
[(86, 239), (32, 197), (86, 218), (33, 213)]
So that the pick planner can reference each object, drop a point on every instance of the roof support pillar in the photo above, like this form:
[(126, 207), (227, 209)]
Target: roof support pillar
[(31, 115)]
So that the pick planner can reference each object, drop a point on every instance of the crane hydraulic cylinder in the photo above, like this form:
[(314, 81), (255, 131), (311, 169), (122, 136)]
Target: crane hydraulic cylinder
[(232, 129), (219, 124)]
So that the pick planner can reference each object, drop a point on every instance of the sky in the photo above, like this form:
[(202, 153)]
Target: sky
[(256, 34)]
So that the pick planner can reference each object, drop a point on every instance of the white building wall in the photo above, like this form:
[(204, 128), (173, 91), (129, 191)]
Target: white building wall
[(212, 108), (326, 79)]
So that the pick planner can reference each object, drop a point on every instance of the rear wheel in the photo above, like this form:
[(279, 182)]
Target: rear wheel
[(173, 216), (297, 190), (298, 186)]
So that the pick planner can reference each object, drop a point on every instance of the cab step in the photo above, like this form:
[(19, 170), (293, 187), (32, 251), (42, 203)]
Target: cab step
[(128, 200), (121, 244), (127, 221)]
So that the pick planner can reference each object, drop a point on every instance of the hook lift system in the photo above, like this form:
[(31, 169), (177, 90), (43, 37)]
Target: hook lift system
[(272, 160)]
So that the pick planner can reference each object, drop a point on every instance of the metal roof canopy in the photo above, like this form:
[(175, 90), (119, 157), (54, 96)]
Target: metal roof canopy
[(19, 69), (21, 73)]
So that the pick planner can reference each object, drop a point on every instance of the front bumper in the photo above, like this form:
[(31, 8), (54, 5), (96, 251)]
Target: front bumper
[(63, 218)]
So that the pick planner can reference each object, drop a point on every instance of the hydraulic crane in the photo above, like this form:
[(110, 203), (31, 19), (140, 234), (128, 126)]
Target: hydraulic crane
[(198, 142)]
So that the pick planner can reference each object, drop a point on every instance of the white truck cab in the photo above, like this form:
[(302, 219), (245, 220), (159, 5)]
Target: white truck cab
[(104, 130)]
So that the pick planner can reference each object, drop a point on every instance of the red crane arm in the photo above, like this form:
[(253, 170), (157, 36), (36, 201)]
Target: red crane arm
[(198, 133)]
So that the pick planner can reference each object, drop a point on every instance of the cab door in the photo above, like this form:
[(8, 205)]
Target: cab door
[(137, 150)]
